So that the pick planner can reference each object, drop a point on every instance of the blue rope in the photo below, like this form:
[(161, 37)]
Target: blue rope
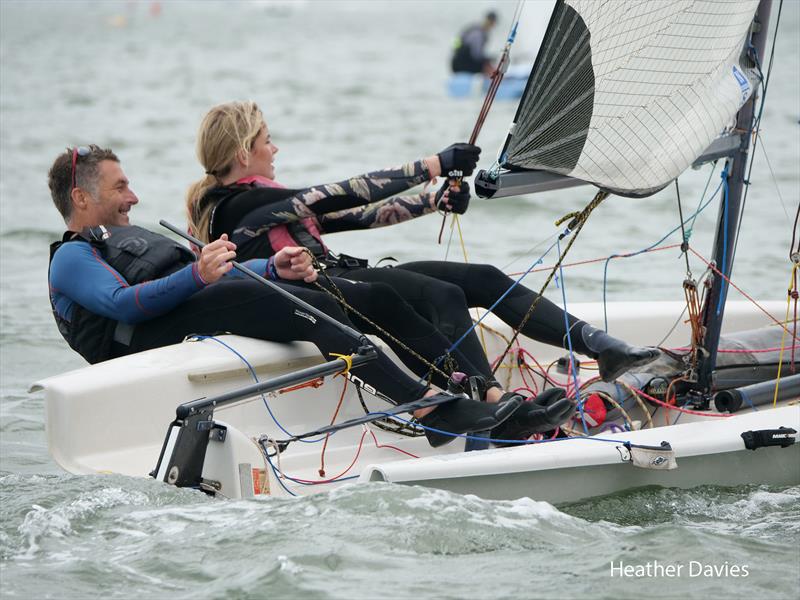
[(568, 329), (255, 377), (699, 203), (513, 33), (723, 289), (467, 436), (500, 299), (650, 247), (278, 475)]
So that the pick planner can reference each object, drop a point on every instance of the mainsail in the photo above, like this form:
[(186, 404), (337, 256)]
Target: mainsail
[(626, 94)]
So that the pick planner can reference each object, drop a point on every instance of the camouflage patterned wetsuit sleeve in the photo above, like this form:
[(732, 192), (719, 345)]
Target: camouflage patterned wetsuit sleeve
[(388, 211), (369, 200)]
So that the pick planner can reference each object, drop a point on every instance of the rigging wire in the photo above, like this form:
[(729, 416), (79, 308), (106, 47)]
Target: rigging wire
[(494, 85), (574, 227), (691, 218), (755, 127), (685, 239), (774, 177), (572, 367)]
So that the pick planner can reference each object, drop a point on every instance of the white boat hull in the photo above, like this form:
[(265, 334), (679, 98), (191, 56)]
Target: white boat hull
[(572, 470), (113, 418)]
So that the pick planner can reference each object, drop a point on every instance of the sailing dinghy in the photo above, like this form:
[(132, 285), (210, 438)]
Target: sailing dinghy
[(623, 95)]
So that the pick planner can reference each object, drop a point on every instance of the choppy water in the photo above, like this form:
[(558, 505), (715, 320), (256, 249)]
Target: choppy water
[(346, 87)]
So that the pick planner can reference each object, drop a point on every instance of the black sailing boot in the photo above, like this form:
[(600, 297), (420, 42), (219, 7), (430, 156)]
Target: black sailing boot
[(464, 415), (614, 357), (547, 411)]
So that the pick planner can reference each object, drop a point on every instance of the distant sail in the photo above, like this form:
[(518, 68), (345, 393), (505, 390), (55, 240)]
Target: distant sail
[(626, 94)]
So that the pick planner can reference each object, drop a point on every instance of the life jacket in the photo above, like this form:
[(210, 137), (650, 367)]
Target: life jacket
[(264, 242), (463, 60), (135, 253)]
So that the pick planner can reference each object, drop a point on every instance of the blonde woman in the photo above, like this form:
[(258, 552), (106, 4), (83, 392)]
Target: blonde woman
[(239, 196)]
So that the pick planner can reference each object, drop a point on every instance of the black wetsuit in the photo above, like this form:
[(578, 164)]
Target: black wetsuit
[(425, 303), (181, 304)]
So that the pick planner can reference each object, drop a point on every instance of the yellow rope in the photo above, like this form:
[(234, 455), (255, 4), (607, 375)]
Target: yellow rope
[(641, 404), (457, 223), (792, 279), (613, 403), (566, 217), (348, 361), (575, 227)]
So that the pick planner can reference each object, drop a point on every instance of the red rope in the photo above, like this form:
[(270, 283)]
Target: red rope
[(594, 260), (683, 410), (340, 475), (377, 445), (328, 435), (743, 293), (745, 351)]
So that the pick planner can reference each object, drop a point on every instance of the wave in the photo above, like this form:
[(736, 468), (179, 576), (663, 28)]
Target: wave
[(26, 234)]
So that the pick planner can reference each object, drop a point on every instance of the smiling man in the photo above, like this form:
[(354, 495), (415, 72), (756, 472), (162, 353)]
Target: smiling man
[(99, 190)]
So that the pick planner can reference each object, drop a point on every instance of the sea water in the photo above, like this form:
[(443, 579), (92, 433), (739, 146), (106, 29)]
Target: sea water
[(348, 87)]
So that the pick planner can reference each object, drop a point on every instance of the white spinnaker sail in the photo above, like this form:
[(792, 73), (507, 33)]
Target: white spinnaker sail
[(627, 93)]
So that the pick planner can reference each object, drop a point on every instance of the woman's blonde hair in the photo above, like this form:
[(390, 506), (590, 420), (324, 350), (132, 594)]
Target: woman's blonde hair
[(225, 130)]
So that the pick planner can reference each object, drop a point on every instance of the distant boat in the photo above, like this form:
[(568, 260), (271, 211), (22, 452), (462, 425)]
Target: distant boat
[(530, 31), (468, 85)]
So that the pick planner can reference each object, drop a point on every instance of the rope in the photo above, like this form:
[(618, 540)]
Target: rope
[(348, 361), (792, 281), (700, 207), (793, 294), (596, 260), (577, 223), (457, 223), (684, 236), (496, 78), (389, 423), (339, 297), (743, 293)]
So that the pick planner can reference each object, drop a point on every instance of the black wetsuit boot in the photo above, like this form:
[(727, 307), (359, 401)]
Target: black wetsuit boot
[(465, 415), (547, 411), (614, 357)]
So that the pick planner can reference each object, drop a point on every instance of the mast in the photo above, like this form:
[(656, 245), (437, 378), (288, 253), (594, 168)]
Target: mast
[(728, 218)]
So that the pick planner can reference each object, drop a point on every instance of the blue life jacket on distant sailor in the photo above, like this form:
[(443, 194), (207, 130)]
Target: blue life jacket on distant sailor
[(135, 253)]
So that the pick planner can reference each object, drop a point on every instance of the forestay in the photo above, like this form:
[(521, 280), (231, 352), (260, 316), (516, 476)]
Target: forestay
[(626, 94)]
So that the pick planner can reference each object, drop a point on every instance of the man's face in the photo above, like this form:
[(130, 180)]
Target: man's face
[(114, 198)]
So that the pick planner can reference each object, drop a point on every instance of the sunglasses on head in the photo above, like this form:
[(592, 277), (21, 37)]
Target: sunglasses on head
[(76, 152)]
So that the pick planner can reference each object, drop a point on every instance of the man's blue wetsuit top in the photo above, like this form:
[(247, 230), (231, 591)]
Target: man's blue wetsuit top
[(78, 274)]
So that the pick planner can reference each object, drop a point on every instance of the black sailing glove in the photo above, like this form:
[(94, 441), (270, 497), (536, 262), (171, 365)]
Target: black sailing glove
[(450, 200), (459, 157)]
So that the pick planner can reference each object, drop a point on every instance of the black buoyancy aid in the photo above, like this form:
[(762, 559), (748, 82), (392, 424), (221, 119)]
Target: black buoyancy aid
[(135, 253), (232, 205)]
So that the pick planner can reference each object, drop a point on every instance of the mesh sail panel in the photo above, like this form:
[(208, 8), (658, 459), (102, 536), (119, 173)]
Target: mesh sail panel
[(627, 93)]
